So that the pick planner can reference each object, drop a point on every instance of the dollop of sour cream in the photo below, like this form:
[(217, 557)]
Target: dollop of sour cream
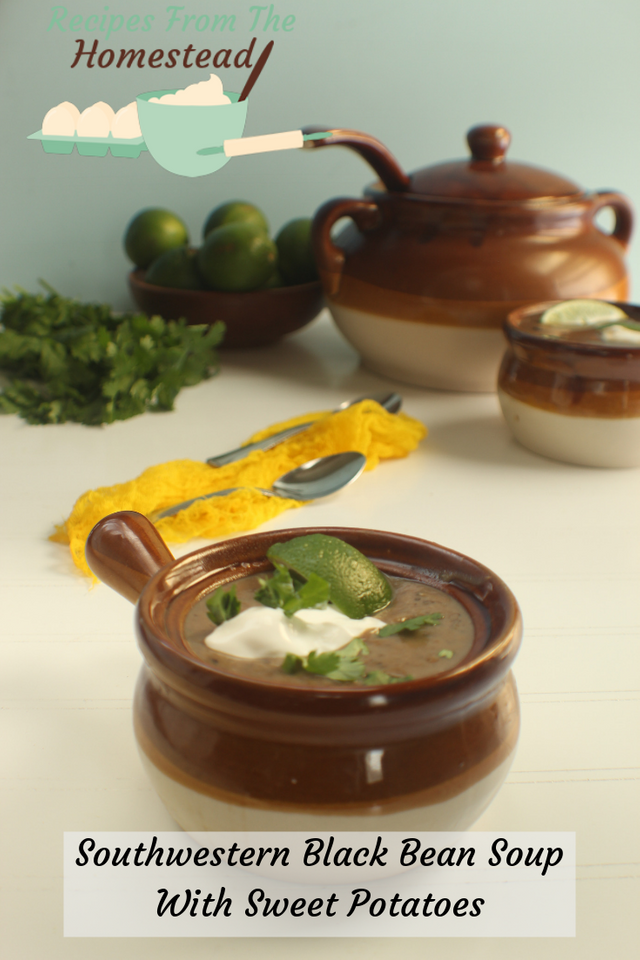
[(616, 333), (266, 632)]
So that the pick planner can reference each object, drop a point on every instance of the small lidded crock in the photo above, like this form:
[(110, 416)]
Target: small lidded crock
[(573, 394), (422, 279), (227, 751)]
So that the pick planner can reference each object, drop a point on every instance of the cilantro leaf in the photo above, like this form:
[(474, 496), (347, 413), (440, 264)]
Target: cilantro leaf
[(425, 620), (292, 663), (322, 663), (342, 665), (275, 591), (223, 605), (348, 671), (281, 590), (353, 648), (377, 677), (311, 594)]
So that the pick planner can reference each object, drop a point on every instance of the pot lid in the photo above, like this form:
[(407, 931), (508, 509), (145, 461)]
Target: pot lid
[(488, 176)]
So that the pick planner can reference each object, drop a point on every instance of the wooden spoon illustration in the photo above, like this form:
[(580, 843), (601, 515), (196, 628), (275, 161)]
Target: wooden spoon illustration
[(257, 70)]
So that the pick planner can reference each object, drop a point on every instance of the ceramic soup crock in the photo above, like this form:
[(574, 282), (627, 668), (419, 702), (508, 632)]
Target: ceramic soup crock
[(573, 399), (422, 279), (225, 752)]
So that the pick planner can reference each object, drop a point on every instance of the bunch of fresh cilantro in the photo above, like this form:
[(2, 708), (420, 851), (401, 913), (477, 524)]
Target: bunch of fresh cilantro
[(65, 360)]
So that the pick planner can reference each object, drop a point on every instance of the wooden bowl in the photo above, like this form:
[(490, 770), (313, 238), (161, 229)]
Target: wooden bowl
[(253, 319)]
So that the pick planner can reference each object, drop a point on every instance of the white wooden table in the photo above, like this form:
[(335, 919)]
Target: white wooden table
[(566, 539)]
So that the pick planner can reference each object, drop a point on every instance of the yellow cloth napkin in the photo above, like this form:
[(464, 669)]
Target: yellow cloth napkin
[(366, 427)]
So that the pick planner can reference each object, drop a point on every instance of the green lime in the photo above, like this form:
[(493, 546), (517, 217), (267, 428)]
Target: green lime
[(356, 586), (235, 211), (295, 254), (581, 313), (151, 233), (237, 257), (275, 280), (176, 268)]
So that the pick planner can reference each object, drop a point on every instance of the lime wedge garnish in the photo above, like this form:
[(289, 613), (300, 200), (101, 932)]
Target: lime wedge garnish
[(582, 313), (356, 586)]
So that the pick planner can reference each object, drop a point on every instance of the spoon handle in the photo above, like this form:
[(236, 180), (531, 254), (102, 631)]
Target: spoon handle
[(232, 455), (176, 508), (390, 401)]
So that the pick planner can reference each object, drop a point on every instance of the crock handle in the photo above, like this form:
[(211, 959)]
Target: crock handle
[(329, 257), (125, 550), (623, 211)]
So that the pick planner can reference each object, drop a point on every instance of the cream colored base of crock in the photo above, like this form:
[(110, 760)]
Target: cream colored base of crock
[(425, 354), (196, 811), (587, 441)]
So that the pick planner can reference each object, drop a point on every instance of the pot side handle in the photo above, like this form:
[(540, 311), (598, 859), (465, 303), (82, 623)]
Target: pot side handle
[(329, 257), (125, 550), (623, 227)]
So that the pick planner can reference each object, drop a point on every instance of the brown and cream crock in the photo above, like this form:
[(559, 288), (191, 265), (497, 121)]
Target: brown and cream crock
[(226, 752), (422, 279), (573, 397)]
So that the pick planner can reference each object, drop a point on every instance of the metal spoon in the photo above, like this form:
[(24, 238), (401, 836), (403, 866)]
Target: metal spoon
[(390, 401), (314, 479)]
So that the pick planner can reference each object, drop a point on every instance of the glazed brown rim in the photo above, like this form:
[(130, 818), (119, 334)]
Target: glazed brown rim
[(159, 626), (137, 277), (378, 189), (609, 351)]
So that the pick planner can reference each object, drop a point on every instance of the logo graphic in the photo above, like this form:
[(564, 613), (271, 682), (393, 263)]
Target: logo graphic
[(190, 132)]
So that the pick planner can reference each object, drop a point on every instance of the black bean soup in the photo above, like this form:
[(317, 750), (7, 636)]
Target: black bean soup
[(425, 652)]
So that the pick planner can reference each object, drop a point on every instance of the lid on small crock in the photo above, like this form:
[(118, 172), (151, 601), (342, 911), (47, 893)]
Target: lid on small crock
[(488, 175)]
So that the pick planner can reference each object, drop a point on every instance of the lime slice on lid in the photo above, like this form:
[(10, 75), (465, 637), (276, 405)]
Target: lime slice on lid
[(356, 586), (582, 313)]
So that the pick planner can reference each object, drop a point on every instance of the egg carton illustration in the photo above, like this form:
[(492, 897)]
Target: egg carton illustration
[(90, 146), (191, 132)]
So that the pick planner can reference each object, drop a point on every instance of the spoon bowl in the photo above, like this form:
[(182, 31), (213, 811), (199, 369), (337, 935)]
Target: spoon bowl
[(320, 477), (310, 481)]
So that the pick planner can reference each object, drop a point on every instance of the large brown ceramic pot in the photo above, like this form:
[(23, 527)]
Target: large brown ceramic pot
[(231, 752), (423, 278)]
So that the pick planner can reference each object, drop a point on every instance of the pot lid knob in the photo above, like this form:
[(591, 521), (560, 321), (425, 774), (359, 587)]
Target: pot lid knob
[(489, 142)]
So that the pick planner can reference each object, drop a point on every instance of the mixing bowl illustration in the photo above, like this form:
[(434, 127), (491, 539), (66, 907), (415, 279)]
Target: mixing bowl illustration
[(175, 133)]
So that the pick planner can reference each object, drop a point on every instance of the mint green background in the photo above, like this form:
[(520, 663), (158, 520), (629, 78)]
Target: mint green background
[(562, 75)]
